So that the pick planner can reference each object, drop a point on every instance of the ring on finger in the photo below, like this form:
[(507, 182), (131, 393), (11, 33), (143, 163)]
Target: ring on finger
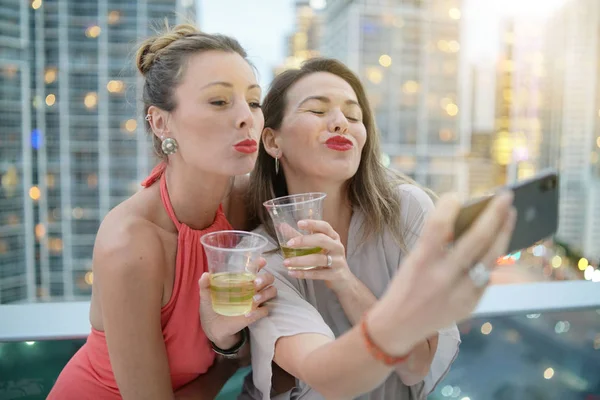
[(329, 261), (480, 275)]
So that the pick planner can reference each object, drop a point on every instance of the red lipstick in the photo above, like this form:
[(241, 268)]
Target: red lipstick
[(339, 143), (247, 146)]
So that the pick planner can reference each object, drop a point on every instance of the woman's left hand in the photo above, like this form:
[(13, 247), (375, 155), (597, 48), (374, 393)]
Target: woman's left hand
[(224, 331), (333, 268)]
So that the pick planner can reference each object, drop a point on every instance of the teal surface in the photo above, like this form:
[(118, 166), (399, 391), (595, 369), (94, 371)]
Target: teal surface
[(233, 387), (28, 370)]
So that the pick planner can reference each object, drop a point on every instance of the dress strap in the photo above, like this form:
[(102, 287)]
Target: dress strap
[(155, 174), (166, 200)]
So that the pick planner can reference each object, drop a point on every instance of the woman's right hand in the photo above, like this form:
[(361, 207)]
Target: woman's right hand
[(432, 288)]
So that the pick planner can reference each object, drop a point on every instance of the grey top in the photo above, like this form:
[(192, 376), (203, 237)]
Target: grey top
[(307, 306)]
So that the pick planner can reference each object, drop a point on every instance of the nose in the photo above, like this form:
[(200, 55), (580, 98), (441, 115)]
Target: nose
[(244, 116), (338, 123)]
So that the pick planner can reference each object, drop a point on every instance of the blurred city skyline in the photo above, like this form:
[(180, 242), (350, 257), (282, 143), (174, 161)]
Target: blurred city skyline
[(467, 94), (264, 36)]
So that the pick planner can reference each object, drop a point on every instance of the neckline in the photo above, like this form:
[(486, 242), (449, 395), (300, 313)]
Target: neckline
[(166, 200)]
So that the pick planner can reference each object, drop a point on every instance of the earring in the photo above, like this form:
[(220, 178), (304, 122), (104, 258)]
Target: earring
[(277, 163), (169, 146)]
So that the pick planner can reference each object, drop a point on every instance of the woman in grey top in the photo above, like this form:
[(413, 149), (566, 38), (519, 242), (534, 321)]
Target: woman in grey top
[(374, 218)]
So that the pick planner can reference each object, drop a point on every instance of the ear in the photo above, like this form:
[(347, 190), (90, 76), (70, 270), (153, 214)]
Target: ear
[(270, 140), (158, 121)]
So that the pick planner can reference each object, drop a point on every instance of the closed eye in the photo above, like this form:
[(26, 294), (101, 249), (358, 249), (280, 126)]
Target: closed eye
[(353, 119), (317, 112)]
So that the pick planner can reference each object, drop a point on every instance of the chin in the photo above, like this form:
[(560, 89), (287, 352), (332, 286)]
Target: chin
[(337, 175), (341, 171), (241, 167)]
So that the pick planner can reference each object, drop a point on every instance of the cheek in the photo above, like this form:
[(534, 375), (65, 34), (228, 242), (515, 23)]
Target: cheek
[(300, 145), (361, 138), (303, 132), (259, 124), (192, 120)]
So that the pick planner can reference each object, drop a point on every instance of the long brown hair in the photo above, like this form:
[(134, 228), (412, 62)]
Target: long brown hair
[(373, 189)]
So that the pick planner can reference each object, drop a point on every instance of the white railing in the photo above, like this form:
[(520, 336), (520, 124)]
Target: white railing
[(69, 320)]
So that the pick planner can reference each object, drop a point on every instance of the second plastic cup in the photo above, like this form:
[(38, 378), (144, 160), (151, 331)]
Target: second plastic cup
[(286, 212), (232, 258)]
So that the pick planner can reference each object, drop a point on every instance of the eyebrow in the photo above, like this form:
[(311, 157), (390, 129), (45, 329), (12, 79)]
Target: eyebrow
[(229, 85), (326, 100)]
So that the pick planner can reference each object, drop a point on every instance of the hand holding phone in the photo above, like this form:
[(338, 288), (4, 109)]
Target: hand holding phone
[(536, 202)]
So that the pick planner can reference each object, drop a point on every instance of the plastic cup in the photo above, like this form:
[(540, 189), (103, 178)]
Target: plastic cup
[(286, 212), (232, 258)]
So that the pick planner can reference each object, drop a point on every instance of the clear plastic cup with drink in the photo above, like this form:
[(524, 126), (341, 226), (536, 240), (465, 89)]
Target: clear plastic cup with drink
[(233, 260), (286, 212)]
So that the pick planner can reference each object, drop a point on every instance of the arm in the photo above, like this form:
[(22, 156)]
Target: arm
[(295, 336), (337, 369), (298, 340), (208, 385), (129, 272), (341, 368), (416, 368), (356, 299)]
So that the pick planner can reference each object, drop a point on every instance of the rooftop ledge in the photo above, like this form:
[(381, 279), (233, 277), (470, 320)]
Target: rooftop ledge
[(70, 320)]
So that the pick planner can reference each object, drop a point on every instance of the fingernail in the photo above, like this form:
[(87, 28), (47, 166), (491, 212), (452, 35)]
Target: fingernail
[(290, 242), (249, 315), (302, 224), (256, 298), (293, 274), (286, 262), (258, 281)]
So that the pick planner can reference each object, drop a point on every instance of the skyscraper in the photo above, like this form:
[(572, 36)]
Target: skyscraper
[(16, 190), (481, 164), (408, 55), (75, 144), (571, 121), (304, 42), (519, 94)]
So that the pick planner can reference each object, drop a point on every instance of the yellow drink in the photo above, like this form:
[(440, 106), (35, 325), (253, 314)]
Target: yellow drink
[(289, 252), (231, 292)]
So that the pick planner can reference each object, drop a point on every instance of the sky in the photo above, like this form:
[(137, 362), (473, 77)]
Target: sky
[(481, 19), (261, 26)]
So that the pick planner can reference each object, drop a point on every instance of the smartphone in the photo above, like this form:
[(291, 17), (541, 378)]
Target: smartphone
[(536, 202)]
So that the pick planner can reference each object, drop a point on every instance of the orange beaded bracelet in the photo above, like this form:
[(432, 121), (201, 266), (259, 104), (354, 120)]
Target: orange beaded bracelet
[(376, 351)]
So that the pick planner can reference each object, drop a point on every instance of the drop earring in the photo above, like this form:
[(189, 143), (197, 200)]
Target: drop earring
[(169, 146)]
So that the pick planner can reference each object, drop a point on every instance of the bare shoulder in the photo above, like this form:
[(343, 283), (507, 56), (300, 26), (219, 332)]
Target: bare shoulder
[(128, 245)]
